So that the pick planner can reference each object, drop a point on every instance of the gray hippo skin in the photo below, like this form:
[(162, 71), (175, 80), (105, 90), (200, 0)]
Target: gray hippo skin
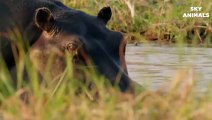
[(51, 27)]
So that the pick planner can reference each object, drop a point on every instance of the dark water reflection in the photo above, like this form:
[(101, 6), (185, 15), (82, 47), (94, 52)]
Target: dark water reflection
[(154, 66)]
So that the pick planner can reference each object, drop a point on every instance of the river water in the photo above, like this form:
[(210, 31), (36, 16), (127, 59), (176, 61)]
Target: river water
[(154, 66)]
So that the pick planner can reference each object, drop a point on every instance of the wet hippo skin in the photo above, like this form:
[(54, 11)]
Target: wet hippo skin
[(50, 27)]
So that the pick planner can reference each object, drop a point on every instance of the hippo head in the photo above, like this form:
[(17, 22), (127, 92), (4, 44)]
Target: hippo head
[(87, 38)]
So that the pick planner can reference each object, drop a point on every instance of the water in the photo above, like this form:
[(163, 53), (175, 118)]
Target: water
[(155, 66)]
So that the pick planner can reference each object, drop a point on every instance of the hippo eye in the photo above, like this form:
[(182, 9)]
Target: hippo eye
[(71, 47)]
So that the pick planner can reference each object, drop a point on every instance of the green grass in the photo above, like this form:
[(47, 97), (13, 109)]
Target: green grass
[(58, 99), (151, 19)]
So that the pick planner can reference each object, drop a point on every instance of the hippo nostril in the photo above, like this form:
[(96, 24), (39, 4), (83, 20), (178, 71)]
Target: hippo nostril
[(72, 47)]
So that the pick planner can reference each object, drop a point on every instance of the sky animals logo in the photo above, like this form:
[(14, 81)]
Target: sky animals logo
[(196, 12)]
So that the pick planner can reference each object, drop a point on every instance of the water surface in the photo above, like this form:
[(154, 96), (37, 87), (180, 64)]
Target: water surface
[(155, 66)]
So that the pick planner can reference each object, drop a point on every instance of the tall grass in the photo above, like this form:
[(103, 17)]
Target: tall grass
[(140, 20)]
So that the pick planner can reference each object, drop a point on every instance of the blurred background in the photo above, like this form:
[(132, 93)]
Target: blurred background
[(154, 20)]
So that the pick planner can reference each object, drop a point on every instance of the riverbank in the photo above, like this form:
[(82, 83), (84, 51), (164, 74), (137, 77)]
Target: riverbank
[(155, 20)]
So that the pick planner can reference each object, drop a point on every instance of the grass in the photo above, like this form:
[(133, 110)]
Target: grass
[(58, 101), (141, 21), (150, 20)]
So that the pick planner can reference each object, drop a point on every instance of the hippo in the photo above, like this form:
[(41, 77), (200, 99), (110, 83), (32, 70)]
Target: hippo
[(51, 27)]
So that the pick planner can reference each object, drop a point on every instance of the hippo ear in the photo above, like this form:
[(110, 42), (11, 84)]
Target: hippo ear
[(44, 19), (105, 14)]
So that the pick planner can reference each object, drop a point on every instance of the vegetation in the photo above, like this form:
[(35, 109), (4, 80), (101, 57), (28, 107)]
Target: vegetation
[(154, 20), (140, 20)]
